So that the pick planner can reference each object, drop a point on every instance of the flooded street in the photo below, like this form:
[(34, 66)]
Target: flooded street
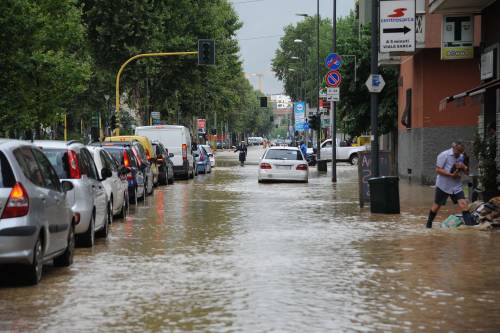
[(223, 253)]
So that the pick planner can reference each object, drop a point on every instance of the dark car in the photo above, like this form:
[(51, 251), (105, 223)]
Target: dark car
[(165, 164), (143, 162), (127, 160)]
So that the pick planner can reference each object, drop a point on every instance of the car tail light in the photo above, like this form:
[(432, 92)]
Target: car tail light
[(184, 151), (126, 160), (265, 166), (74, 168), (17, 204), (301, 167)]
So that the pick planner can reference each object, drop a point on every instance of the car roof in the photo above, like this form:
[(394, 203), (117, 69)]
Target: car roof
[(283, 148), (9, 143), (57, 143)]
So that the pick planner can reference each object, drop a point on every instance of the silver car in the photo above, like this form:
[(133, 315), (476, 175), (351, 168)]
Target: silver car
[(36, 221), (73, 162)]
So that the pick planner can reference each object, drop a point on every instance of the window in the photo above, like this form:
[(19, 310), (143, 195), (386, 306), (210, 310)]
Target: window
[(58, 158), (108, 162), (28, 165), (86, 159), (283, 154), (51, 181), (7, 178)]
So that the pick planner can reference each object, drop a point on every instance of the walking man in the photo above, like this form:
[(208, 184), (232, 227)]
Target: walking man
[(449, 168)]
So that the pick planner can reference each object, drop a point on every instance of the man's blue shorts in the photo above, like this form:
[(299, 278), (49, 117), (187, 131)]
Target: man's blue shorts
[(441, 197)]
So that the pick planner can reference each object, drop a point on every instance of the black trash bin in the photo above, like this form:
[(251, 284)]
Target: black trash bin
[(384, 195)]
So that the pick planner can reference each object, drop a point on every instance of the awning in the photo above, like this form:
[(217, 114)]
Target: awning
[(447, 7), (480, 89)]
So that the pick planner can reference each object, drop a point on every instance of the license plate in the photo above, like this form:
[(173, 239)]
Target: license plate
[(283, 167)]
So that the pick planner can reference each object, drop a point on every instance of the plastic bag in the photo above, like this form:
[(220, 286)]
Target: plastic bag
[(452, 221)]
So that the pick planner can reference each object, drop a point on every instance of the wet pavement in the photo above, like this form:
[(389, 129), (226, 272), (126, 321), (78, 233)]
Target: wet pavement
[(223, 253)]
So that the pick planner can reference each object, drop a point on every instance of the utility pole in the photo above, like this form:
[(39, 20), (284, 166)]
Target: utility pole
[(333, 105), (374, 95), (318, 132)]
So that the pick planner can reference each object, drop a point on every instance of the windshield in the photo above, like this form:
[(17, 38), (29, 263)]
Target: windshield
[(283, 154), (59, 160)]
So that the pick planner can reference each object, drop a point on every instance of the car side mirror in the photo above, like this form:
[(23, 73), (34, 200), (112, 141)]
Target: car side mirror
[(67, 186), (171, 155), (105, 173)]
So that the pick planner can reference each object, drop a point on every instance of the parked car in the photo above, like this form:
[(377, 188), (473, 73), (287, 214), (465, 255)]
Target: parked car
[(283, 164), (126, 159), (202, 160), (255, 140), (73, 162), (36, 221), (149, 152), (142, 162), (116, 186), (177, 139), (344, 154), (165, 164), (210, 153)]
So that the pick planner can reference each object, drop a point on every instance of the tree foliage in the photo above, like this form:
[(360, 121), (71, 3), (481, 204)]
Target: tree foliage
[(61, 57), (354, 106)]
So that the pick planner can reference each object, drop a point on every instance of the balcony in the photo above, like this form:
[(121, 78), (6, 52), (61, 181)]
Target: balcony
[(447, 7)]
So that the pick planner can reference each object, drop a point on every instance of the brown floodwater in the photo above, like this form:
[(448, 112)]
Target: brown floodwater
[(223, 253)]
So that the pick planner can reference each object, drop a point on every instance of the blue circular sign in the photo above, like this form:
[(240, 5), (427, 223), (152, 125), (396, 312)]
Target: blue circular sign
[(333, 61)]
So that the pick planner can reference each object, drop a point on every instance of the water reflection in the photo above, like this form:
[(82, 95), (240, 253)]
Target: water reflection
[(223, 253)]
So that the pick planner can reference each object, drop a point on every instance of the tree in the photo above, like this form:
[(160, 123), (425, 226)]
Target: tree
[(44, 63), (354, 107)]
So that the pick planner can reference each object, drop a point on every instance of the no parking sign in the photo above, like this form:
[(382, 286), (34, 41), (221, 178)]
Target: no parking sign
[(333, 79)]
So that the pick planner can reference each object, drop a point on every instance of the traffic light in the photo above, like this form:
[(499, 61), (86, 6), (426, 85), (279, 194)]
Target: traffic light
[(313, 122), (206, 52), (213, 131), (263, 102), (112, 122)]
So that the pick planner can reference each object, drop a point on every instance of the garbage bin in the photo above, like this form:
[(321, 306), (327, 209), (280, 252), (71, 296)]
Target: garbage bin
[(322, 165), (384, 195)]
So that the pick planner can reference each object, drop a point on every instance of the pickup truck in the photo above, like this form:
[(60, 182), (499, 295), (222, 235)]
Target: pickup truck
[(344, 154)]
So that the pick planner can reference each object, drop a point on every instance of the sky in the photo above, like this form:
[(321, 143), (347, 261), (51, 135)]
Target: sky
[(267, 18)]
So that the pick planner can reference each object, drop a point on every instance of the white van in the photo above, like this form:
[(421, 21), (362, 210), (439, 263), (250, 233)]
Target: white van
[(177, 139)]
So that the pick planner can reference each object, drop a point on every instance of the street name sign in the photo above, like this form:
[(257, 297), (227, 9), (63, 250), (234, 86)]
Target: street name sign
[(333, 61), (333, 79), (397, 26), (155, 115), (375, 83)]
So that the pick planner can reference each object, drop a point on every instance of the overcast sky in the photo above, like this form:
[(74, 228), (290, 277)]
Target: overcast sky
[(267, 18)]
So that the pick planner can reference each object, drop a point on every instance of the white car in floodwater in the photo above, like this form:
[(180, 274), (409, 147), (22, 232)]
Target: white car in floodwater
[(283, 164)]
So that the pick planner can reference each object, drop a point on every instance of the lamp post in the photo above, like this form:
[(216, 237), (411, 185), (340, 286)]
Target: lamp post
[(318, 80), (333, 114)]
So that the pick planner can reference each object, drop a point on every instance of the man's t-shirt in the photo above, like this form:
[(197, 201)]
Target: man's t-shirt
[(447, 160)]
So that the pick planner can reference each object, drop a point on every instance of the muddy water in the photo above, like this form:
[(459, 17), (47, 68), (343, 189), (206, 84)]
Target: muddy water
[(223, 253)]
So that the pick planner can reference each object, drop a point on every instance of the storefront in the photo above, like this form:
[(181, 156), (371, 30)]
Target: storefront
[(487, 92)]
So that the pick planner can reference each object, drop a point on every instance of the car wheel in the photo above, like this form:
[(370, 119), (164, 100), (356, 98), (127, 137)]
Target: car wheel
[(123, 211), (88, 238), (165, 180), (171, 180), (145, 191), (133, 199), (354, 159), (105, 229), (66, 259), (34, 271)]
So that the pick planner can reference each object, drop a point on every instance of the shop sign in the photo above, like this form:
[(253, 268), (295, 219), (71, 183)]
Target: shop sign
[(457, 38)]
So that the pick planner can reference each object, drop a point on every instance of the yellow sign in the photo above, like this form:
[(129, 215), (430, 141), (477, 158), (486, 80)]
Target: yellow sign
[(454, 53)]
